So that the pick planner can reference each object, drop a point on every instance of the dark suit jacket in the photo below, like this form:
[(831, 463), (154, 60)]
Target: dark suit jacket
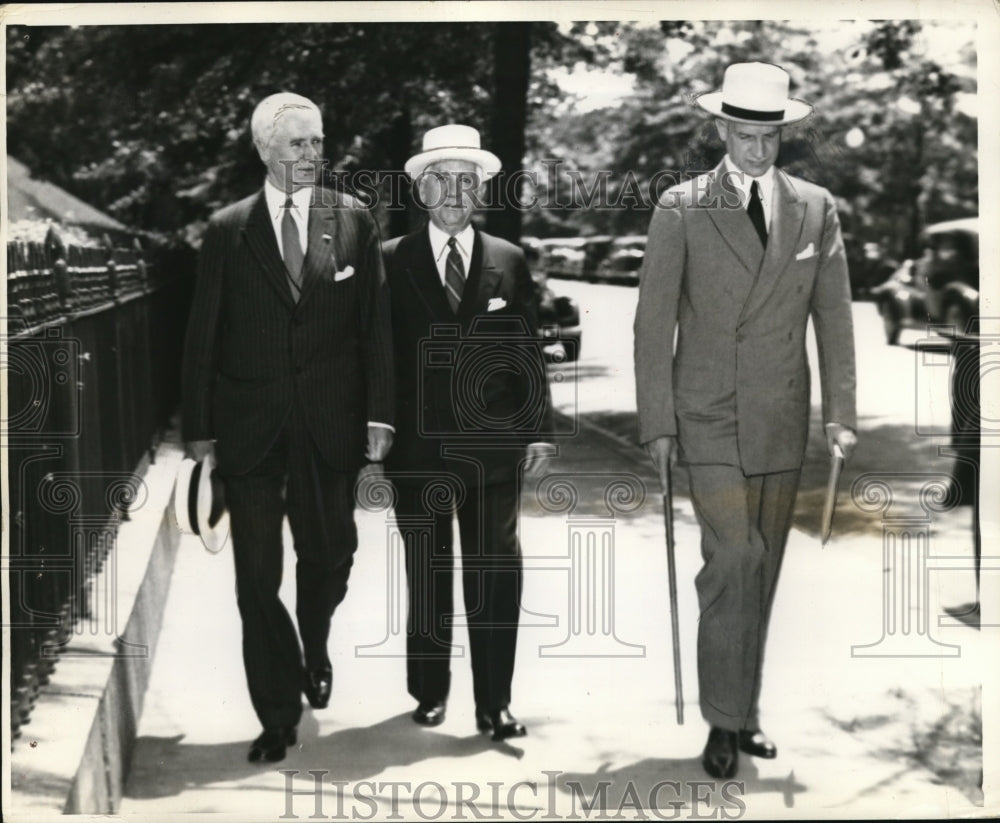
[(736, 391), (252, 351), (475, 381)]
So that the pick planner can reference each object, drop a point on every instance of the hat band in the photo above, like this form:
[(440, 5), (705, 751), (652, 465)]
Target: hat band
[(752, 114)]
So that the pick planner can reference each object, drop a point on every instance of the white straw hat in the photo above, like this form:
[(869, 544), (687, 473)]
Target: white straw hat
[(199, 503), (755, 93), (453, 142)]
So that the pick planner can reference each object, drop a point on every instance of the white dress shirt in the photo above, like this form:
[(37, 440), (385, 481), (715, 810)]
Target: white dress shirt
[(301, 200), (439, 248), (765, 187)]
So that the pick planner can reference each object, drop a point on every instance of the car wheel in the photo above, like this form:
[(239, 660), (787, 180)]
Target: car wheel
[(890, 322)]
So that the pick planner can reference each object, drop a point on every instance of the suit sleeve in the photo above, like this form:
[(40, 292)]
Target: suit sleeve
[(201, 344), (377, 331), (831, 316), (660, 280)]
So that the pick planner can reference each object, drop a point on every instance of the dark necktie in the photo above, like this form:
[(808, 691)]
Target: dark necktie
[(291, 247), (755, 210), (454, 275)]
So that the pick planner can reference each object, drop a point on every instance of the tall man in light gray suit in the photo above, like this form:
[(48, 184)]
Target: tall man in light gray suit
[(736, 263)]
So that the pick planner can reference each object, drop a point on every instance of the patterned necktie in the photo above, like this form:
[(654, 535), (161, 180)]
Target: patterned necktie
[(755, 210), (291, 247), (454, 275)]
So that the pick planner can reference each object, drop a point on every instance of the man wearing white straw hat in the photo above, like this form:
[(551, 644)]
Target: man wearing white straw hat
[(737, 262), (472, 409)]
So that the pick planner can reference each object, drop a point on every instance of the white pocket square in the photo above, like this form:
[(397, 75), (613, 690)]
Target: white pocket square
[(343, 275), (496, 303), (806, 253)]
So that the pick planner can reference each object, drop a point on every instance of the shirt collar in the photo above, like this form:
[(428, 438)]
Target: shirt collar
[(302, 198), (742, 181), (439, 240)]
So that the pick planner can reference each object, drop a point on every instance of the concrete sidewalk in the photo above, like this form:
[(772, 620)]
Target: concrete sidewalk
[(594, 683)]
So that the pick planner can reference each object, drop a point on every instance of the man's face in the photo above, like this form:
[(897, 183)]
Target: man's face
[(295, 152), (753, 148), (448, 189)]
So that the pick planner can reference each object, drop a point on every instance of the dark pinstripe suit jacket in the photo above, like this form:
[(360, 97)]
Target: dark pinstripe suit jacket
[(465, 391), (252, 351)]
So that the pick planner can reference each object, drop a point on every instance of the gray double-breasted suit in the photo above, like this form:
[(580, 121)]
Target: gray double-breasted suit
[(734, 390)]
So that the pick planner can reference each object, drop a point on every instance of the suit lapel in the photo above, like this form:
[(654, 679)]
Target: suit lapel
[(482, 282), (423, 274), (325, 246), (733, 224), (259, 233), (786, 223), (787, 218)]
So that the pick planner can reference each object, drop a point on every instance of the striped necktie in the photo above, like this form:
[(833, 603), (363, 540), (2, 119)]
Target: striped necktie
[(291, 247), (454, 275)]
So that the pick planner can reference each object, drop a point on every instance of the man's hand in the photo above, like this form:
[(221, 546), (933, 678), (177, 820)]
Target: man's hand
[(842, 436), (537, 458), (663, 453), (198, 450), (379, 443)]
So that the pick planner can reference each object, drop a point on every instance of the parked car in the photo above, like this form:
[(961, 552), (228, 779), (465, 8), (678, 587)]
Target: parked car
[(941, 286), (868, 265), (564, 257), (623, 260), (595, 251), (558, 316)]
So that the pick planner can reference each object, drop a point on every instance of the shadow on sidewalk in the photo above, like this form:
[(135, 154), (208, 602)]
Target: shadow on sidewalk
[(169, 766), (886, 448), (656, 783)]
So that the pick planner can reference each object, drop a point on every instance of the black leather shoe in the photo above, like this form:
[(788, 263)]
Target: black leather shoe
[(721, 755), (318, 685), (271, 744), (757, 744), (430, 713), (502, 723)]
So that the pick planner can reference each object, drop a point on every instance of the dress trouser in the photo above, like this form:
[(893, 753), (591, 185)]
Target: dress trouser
[(292, 479), (491, 582), (744, 527)]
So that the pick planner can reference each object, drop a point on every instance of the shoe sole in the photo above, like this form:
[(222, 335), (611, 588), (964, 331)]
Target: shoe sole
[(428, 721)]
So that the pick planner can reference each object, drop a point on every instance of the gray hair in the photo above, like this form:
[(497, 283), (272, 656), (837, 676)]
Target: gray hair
[(271, 109)]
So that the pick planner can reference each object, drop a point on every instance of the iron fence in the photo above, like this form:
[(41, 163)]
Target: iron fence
[(92, 357)]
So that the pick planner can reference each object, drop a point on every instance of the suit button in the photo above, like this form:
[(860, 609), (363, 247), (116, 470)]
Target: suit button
[(299, 370), (789, 335)]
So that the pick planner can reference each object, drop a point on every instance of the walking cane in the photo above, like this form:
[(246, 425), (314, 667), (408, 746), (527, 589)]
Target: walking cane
[(836, 467), (668, 520)]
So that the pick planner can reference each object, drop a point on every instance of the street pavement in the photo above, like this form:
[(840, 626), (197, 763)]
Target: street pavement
[(858, 736)]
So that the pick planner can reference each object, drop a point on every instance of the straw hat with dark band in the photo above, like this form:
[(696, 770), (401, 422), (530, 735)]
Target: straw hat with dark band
[(755, 93)]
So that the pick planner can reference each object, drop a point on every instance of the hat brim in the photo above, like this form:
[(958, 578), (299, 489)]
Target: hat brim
[(213, 537), (795, 110), (486, 160)]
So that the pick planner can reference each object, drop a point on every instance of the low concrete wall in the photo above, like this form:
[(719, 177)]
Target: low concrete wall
[(74, 754)]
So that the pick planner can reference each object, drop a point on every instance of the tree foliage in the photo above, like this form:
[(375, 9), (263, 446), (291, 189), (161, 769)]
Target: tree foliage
[(150, 122)]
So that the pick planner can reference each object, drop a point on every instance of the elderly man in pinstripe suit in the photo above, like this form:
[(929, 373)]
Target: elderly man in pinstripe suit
[(288, 376)]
